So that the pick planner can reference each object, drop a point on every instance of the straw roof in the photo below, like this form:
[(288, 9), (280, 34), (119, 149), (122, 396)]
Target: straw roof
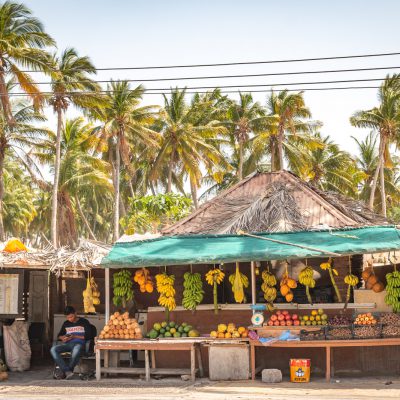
[(275, 202), (86, 256)]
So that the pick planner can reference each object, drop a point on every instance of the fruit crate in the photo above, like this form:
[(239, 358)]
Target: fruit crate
[(340, 332), (367, 331), (307, 335), (390, 331)]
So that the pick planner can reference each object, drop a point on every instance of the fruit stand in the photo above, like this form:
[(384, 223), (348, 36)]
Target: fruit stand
[(271, 242)]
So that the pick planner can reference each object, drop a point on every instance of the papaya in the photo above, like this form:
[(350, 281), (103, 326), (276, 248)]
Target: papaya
[(372, 280), (291, 283), (366, 274)]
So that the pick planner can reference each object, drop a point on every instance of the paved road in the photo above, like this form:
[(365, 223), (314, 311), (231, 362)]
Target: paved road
[(173, 389)]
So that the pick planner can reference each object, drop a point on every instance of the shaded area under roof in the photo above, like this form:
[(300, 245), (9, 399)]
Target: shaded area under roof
[(199, 249)]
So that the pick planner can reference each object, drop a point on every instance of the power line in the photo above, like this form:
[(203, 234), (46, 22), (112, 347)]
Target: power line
[(247, 62), (203, 92), (235, 76)]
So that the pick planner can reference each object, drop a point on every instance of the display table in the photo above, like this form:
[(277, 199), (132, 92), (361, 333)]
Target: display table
[(189, 344), (324, 344)]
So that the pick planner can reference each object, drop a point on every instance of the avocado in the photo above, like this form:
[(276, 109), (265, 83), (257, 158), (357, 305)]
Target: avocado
[(180, 329), (177, 334), (172, 324), (187, 328), (167, 334)]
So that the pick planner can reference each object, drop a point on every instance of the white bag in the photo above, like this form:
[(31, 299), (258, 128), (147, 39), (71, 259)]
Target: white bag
[(17, 348)]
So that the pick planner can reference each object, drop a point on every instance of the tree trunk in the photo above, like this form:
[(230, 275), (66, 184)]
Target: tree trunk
[(382, 185), (5, 99), (280, 150), (240, 171), (193, 189), (2, 155), (170, 167), (376, 174), (54, 200), (116, 191), (153, 192), (85, 221), (272, 156)]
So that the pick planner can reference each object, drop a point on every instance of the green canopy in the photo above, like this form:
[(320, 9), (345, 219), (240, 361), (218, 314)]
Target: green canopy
[(199, 249)]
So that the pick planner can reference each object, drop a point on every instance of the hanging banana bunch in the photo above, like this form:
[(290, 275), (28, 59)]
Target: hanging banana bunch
[(269, 281), (393, 289), (88, 298), (286, 286), (238, 281), (332, 273), (306, 279), (350, 280), (165, 286), (193, 290), (95, 291), (214, 277), (122, 288)]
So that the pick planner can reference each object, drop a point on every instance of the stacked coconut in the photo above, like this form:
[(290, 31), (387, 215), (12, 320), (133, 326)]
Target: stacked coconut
[(371, 280), (121, 326)]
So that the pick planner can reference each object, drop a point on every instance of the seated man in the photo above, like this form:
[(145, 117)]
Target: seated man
[(73, 333)]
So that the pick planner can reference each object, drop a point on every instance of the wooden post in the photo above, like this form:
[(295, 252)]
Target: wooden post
[(328, 364), (253, 361), (147, 365), (192, 363), (253, 283), (153, 359), (107, 293), (98, 364)]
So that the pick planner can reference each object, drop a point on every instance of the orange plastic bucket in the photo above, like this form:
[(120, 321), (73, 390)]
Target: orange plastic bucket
[(300, 370)]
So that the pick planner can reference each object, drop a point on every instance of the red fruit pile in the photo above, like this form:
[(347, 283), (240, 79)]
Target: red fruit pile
[(283, 318)]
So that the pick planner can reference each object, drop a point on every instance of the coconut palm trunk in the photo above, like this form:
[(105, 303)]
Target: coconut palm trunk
[(2, 154), (170, 167), (376, 175), (240, 171), (57, 163), (5, 99), (382, 179), (84, 219), (280, 148), (117, 165), (193, 189)]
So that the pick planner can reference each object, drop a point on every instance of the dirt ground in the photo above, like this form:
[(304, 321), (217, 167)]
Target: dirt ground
[(38, 384)]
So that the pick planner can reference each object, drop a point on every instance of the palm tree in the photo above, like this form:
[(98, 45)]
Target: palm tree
[(188, 140), (291, 116), (243, 118), (22, 44), (385, 119), (69, 83), (125, 126), (327, 167), (16, 140)]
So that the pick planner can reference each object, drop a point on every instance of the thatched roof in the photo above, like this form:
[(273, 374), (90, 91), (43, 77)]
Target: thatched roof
[(86, 256), (275, 202)]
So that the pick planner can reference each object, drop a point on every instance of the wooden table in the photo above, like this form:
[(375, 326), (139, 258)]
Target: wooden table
[(327, 344), (190, 344)]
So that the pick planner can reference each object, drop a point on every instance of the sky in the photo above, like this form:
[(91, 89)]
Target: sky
[(123, 33)]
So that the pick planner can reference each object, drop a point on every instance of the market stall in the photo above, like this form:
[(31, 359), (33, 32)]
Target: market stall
[(270, 242)]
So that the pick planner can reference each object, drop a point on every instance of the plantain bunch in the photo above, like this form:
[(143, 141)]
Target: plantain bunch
[(193, 292)]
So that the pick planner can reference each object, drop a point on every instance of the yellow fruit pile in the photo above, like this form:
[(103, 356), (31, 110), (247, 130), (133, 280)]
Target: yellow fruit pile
[(165, 286), (229, 332), (143, 279), (121, 326), (287, 284)]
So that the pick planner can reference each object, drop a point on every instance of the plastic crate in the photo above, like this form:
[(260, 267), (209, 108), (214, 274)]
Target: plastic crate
[(367, 331), (340, 332), (307, 335)]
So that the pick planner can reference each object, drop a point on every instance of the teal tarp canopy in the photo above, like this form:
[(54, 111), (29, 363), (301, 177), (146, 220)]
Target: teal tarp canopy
[(199, 249)]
